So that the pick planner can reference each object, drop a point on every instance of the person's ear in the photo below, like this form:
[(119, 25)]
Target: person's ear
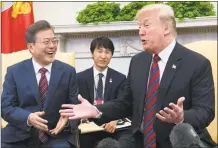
[(167, 29), (30, 47), (92, 55)]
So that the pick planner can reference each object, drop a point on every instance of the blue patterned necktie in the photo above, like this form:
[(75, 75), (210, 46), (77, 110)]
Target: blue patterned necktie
[(99, 95)]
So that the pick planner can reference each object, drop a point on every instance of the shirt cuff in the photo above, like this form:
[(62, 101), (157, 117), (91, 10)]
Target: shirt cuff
[(28, 121), (99, 113)]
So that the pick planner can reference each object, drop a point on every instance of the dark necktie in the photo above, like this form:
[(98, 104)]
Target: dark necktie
[(99, 95), (43, 89), (150, 101)]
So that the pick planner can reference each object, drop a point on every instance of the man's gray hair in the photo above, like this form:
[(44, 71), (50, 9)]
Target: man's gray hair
[(33, 29)]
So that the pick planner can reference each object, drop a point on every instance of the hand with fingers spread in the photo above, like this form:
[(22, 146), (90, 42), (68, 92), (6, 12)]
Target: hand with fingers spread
[(60, 125), (110, 127), (174, 114), (79, 111), (35, 119)]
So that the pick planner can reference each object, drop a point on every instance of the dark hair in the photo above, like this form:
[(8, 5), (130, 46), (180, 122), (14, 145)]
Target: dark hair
[(102, 42), (108, 143), (32, 30)]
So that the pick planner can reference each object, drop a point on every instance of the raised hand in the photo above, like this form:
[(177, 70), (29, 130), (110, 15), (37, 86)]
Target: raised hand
[(79, 111), (173, 115), (60, 125), (38, 122)]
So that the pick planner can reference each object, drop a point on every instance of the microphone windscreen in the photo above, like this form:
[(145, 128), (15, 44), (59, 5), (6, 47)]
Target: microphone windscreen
[(108, 143), (184, 135)]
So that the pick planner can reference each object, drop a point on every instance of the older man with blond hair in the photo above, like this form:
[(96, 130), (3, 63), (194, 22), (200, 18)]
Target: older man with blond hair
[(167, 84)]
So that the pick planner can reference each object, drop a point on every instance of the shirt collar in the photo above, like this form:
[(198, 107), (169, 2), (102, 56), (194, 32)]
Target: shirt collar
[(96, 72), (37, 66), (165, 54)]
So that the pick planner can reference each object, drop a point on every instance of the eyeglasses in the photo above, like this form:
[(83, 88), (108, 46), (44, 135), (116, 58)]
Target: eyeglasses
[(47, 42)]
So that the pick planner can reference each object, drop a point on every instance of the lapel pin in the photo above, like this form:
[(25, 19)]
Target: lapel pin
[(110, 80), (174, 66)]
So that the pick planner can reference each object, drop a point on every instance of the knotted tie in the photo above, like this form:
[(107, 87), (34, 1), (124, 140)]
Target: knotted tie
[(99, 95), (43, 89), (150, 101)]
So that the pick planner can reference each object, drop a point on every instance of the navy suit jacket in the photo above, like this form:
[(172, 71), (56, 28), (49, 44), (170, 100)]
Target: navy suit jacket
[(20, 97), (114, 81), (191, 77)]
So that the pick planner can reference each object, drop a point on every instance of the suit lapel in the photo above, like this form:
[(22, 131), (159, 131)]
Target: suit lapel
[(108, 85), (56, 73), (172, 66), (143, 73), (90, 82), (30, 75)]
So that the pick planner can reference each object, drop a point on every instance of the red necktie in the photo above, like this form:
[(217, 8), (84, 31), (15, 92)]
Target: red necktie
[(43, 89), (150, 101)]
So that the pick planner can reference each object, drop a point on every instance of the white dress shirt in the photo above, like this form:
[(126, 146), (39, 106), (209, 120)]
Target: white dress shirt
[(96, 79), (164, 56), (37, 66)]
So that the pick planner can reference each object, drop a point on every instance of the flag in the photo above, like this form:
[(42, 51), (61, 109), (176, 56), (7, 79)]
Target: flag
[(16, 17)]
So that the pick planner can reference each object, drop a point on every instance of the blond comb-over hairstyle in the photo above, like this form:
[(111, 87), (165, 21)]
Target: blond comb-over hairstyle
[(166, 15)]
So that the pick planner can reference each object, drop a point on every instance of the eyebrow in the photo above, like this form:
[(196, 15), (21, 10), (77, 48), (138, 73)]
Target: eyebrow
[(143, 21), (50, 38)]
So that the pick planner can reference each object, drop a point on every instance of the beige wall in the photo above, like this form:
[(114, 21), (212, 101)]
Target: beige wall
[(209, 50)]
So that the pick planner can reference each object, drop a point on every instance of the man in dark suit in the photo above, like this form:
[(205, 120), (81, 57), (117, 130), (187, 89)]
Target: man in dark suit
[(100, 84), (33, 92), (167, 84)]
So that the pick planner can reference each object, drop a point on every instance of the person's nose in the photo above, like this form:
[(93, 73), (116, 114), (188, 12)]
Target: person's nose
[(51, 44), (103, 55), (141, 32)]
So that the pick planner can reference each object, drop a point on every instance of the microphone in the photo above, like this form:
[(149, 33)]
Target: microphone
[(184, 135), (108, 143)]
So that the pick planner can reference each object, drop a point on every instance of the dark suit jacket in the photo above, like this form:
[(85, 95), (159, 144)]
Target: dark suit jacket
[(21, 97), (85, 80), (192, 78), (113, 83)]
